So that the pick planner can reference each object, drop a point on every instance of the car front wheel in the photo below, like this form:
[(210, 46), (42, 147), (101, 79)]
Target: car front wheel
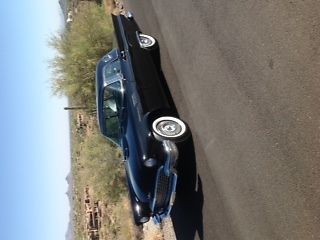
[(169, 128)]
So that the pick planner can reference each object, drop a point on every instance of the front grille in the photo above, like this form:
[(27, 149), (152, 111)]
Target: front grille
[(162, 190)]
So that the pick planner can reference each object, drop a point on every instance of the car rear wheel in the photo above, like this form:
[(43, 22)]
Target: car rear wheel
[(169, 128), (146, 41)]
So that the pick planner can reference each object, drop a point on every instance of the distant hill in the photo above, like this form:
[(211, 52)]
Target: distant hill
[(70, 231)]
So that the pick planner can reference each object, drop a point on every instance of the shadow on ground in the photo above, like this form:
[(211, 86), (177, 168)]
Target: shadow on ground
[(187, 210)]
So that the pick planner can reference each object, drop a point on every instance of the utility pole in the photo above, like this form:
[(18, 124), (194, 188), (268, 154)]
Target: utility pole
[(92, 110), (74, 108)]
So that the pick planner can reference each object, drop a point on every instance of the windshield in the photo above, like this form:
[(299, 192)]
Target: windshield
[(111, 110), (112, 71)]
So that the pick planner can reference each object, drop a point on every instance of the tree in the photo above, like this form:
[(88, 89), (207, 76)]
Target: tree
[(78, 50)]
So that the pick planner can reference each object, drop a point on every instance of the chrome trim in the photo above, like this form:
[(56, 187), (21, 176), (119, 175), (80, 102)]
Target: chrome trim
[(130, 15), (168, 169), (172, 156)]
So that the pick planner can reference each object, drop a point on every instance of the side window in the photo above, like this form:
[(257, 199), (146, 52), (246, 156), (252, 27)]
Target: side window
[(112, 71), (111, 108)]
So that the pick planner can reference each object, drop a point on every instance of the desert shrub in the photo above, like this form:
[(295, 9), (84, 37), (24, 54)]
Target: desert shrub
[(102, 168), (79, 48)]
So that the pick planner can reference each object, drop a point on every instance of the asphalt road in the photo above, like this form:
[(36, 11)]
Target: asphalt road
[(245, 75)]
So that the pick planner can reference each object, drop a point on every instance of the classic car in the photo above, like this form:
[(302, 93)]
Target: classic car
[(135, 113)]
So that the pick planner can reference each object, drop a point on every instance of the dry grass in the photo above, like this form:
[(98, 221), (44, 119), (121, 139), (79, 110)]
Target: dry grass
[(152, 231), (127, 230)]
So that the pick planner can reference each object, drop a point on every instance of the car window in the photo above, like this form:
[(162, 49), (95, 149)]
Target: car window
[(111, 108), (112, 71)]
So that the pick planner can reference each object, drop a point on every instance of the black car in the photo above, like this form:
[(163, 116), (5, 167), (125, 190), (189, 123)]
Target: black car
[(134, 112)]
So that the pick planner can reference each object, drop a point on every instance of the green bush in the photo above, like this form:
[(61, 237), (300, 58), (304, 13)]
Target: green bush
[(79, 48)]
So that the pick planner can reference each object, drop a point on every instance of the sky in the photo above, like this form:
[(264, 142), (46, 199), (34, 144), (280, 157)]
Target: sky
[(34, 128)]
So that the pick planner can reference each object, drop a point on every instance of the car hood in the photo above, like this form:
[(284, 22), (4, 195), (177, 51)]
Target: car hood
[(136, 143)]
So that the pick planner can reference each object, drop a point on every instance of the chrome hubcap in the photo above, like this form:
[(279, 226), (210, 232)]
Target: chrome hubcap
[(145, 41), (169, 128)]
